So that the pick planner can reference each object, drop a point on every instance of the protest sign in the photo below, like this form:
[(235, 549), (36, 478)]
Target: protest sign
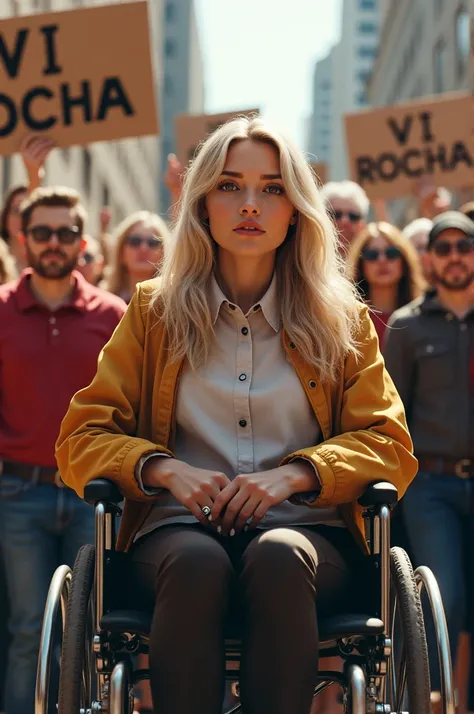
[(78, 76), (192, 129), (391, 148), (320, 168)]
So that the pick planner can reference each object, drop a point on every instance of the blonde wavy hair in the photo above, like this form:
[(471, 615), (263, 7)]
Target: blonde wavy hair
[(412, 283), (319, 305), (8, 269), (117, 278)]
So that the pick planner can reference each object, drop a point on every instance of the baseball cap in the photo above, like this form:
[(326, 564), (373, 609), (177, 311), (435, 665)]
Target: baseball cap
[(451, 219)]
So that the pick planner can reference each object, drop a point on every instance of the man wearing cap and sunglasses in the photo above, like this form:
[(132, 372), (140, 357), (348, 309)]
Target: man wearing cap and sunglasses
[(53, 325), (429, 352)]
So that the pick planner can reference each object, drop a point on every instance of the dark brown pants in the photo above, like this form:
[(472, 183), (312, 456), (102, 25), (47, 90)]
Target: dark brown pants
[(269, 581)]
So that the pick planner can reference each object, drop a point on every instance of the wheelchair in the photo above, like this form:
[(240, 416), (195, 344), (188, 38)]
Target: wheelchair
[(384, 652)]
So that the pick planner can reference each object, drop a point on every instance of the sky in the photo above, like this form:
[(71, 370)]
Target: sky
[(261, 54)]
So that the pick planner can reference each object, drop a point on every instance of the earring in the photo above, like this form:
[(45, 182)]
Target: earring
[(293, 219)]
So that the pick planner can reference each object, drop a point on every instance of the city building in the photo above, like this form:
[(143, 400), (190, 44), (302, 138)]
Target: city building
[(183, 83), (424, 50), (340, 82), (319, 141), (120, 174)]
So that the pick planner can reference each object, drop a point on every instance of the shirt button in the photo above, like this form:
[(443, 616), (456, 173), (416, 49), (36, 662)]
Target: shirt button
[(232, 307), (55, 333), (52, 320), (256, 307), (245, 330), (463, 327), (312, 384), (242, 377), (242, 423), (292, 346), (449, 316)]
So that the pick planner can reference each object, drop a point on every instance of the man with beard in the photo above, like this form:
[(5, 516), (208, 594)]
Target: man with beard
[(429, 352), (53, 325)]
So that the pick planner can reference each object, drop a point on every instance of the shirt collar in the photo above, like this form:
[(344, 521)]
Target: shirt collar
[(26, 300), (268, 303), (430, 303)]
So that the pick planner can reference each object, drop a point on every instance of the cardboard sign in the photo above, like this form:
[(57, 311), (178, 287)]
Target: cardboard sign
[(192, 129), (393, 147), (78, 76), (321, 170)]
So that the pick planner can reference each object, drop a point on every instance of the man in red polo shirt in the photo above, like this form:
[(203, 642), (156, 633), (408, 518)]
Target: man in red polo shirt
[(53, 325)]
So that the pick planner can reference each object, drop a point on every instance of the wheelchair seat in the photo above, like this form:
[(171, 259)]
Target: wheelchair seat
[(330, 628)]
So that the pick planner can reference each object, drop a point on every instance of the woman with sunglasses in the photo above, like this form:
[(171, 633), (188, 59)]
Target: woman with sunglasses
[(386, 270), (139, 244), (242, 406)]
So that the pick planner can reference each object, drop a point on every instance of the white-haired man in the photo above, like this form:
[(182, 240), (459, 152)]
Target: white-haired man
[(349, 205), (417, 232)]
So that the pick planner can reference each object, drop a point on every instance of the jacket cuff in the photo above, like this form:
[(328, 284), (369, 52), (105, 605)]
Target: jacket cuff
[(138, 473), (322, 459), (306, 498)]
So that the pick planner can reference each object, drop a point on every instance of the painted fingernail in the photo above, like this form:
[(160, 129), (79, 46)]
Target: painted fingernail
[(232, 533), (219, 529), (209, 518)]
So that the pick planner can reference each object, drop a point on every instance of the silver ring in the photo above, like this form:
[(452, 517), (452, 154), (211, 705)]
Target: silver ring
[(206, 511)]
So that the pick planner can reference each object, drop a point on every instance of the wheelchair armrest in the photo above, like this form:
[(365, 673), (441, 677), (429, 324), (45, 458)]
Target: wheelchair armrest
[(379, 493), (101, 489)]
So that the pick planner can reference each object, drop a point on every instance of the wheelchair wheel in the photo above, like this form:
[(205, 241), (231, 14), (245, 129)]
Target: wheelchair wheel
[(409, 678), (75, 681)]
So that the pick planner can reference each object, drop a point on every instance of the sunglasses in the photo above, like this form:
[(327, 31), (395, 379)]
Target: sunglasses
[(372, 254), (64, 234), (353, 217), (443, 248), (87, 258), (136, 241)]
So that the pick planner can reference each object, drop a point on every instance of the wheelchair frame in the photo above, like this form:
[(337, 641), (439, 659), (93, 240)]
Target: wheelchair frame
[(362, 695)]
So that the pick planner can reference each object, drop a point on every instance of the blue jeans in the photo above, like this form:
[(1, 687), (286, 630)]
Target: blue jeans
[(41, 527), (439, 516)]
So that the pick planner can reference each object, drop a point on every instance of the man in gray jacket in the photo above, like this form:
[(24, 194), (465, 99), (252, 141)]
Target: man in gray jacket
[(429, 352)]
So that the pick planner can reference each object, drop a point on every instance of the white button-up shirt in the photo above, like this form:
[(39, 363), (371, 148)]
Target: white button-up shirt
[(244, 410)]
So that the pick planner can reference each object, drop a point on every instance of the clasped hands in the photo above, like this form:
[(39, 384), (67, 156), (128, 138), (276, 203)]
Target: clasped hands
[(236, 504)]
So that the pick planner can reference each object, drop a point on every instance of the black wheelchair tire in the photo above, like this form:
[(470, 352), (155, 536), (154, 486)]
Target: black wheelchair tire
[(412, 625), (78, 616)]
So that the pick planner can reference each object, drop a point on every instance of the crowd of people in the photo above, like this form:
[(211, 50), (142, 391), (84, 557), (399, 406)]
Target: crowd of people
[(63, 293)]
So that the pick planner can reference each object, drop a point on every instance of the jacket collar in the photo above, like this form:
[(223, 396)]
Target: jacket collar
[(268, 303), (430, 304)]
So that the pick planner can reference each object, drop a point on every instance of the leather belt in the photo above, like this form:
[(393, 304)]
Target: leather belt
[(462, 468), (37, 474)]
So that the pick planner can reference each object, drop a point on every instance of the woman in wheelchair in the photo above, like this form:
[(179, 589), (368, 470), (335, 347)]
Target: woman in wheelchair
[(242, 407)]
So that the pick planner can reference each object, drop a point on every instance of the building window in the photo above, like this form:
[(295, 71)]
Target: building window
[(168, 86), (463, 40), (439, 62), (363, 75), (367, 28), (367, 5), (170, 12), (105, 195), (86, 169), (170, 47), (6, 170), (367, 52)]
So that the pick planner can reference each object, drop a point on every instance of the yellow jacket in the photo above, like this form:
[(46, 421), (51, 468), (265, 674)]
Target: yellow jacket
[(128, 410)]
